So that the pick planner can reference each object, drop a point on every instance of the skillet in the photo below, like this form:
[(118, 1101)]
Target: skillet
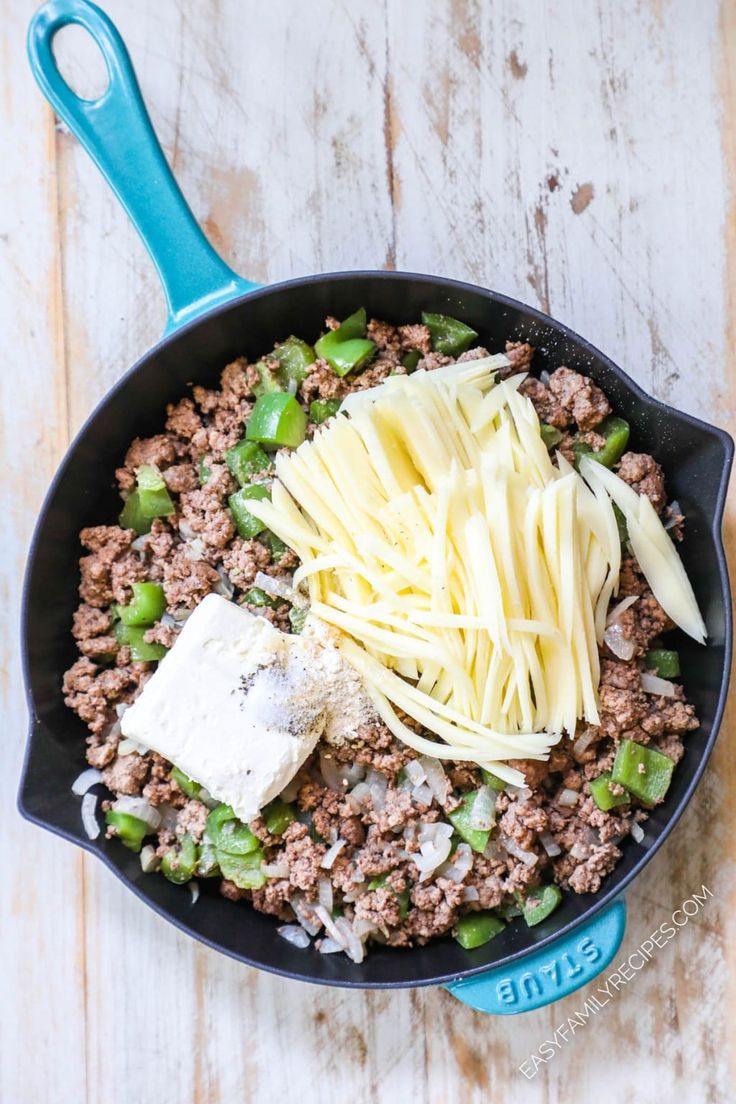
[(215, 315)]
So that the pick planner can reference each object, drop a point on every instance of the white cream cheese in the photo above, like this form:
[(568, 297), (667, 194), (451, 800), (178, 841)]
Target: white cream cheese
[(238, 705)]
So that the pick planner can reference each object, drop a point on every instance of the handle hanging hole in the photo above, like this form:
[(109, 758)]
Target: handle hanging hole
[(80, 62)]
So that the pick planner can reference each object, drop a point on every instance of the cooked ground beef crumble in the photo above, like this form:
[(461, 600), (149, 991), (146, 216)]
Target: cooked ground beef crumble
[(553, 820)]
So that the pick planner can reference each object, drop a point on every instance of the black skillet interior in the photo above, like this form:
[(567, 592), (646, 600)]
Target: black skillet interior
[(696, 458)]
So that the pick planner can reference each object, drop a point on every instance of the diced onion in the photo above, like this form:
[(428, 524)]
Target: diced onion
[(193, 888), (277, 586), (527, 857), (470, 893), (653, 684), (306, 915), (437, 780), (330, 926), (186, 530), (353, 946), (584, 740), (621, 647), (461, 865), (415, 772), (194, 549), (89, 820), (276, 870), (615, 613), (579, 851), (675, 512), (128, 746), (225, 587), (357, 796), (295, 935), (483, 814), (150, 861), (329, 946), (139, 807), (85, 781), (549, 845), (377, 784), (326, 897), (363, 927), (120, 708), (569, 798), (332, 853), (637, 832), (422, 795)]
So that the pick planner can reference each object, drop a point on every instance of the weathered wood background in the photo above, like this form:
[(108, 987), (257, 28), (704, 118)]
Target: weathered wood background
[(580, 156)]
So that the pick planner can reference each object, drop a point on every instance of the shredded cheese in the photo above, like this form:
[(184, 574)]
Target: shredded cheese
[(469, 575)]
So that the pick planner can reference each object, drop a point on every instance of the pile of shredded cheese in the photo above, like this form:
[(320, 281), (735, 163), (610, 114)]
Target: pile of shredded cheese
[(469, 574)]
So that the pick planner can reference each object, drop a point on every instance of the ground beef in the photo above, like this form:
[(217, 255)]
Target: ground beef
[(644, 474), (374, 878), (579, 397)]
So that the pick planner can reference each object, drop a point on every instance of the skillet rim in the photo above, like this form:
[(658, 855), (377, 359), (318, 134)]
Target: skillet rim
[(604, 897)]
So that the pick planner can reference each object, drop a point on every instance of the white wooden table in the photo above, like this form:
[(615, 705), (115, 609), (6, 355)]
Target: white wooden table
[(580, 156)]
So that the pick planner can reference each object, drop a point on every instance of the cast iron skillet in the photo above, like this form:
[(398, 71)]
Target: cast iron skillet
[(214, 316)]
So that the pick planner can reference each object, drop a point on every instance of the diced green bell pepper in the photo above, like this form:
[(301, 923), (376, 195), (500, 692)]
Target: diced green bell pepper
[(179, 864), (203, 472), (449, 336), (154, 499), (186, 784), (294, 357), (130, 829), (410, 360), (460, 820), (149, 602), (297, 617), (541, 903), (275, 543), (207, 863), (509, 910), (551, 435), (277, 420), (228, 833), (140, 650), (616, 433), (600, 788), (268, 380), (623, 529), (247, 525), (403, 897), (492, 780), (245, 459), (347, 348), (132, 517), (277, 816), (243, 870), (257, 597), (663, 662), (644, 772), (477, 928), (322, 409)]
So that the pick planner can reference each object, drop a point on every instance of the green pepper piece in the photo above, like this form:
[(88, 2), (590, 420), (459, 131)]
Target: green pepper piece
[(277, 816), (154, 500), (140, 650), (623, 529), (245, 459), (149, 602), (132, 517), (203, 472), (460, 820), (664, 662), (247, 525), (541, 903), (275, 543), (129, 829), (410, 360), (268, 381), (178, 865), (186, 784), (228, 833), (322, 409), (550, 435), (644, 772), (243, 870), (297, 617), (509, 910), (257, 597), (492, 780), (616, 433), (294, 357), (449, 336), (347, 347), (600, 789), (277, 419), (403, 897), (476, 928), (207, 863), (346, 356)]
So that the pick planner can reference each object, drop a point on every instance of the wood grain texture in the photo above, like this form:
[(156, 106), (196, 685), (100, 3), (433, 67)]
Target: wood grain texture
[(581, 157)]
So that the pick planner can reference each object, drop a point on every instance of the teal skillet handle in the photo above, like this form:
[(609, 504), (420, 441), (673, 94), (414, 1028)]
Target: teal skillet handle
[(116, 131), (549, 974)]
